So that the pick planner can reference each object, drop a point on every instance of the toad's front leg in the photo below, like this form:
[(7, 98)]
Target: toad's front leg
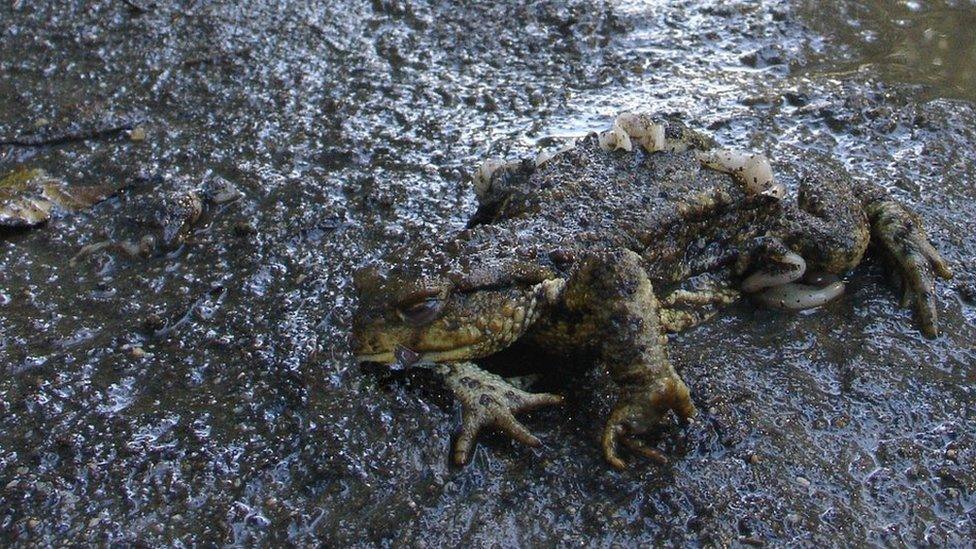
[(488, 400), (613, 291)]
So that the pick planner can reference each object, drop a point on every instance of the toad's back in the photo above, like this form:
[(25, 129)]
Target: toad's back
[(665, 206)]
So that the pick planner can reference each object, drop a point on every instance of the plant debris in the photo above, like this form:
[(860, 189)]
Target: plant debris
[(29, 196)]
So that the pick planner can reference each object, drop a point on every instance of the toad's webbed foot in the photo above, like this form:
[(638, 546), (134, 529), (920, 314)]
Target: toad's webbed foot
[(638, 412), (902, 239), (488, 400)]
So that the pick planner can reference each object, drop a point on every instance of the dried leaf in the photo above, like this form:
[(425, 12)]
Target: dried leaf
[(28, 197)]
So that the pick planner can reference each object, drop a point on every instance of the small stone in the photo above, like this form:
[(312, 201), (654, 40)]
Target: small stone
[(137, 134), (536, 98), (915, 472), (490, 105), (803, 481), (754, 459), (841, 422), (755, 100), (41, 122), (153, 322), (797, 99), (94, 522), (968, 292), (951, 454), (137, 352), (762, 58), (245, 228), (33, 523)]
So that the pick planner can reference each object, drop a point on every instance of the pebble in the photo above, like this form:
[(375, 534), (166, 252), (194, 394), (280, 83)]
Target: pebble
[(153, 322), (797, 99), (754, 459), (914, 472), (137, 134), (137, 352), (803, 481), (245, 228), (951, 453), (967, 291)]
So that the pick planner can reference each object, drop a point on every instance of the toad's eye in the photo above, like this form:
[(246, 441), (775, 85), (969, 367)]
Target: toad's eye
[(421, 312)]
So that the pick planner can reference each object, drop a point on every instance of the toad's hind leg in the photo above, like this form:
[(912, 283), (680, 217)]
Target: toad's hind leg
[(899, 235), (488, 400), (613, 292), (826, 231), (835, 220)]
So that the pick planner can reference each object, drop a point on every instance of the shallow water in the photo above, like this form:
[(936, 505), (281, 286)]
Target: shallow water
[(352, 127), (930, 44)]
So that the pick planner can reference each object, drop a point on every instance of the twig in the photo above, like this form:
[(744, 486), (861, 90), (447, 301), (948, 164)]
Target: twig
[(138, 8), (68, 137)]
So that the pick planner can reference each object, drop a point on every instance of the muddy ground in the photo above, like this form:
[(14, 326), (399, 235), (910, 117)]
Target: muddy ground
[(208, 395)]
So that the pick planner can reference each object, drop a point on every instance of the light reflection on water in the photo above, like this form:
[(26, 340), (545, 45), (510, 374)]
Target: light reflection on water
[(928, 43)]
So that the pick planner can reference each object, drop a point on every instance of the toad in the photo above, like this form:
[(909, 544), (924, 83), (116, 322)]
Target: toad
[(605, 247)]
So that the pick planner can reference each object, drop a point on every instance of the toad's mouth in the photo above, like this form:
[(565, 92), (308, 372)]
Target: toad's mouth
[(382, 358), (405, 357)]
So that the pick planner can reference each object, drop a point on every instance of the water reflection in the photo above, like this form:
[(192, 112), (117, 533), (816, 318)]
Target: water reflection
[(930, 43)]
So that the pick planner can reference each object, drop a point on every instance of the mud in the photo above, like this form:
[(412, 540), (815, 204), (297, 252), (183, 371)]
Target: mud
[(207, 394)]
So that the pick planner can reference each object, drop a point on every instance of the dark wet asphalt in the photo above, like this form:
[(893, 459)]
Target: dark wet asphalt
[(207, 395)]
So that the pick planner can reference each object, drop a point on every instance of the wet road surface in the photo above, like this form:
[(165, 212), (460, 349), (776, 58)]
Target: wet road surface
[(207, 394)]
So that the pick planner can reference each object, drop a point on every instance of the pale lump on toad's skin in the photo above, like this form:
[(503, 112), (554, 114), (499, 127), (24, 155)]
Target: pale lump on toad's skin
[(610, 244)]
